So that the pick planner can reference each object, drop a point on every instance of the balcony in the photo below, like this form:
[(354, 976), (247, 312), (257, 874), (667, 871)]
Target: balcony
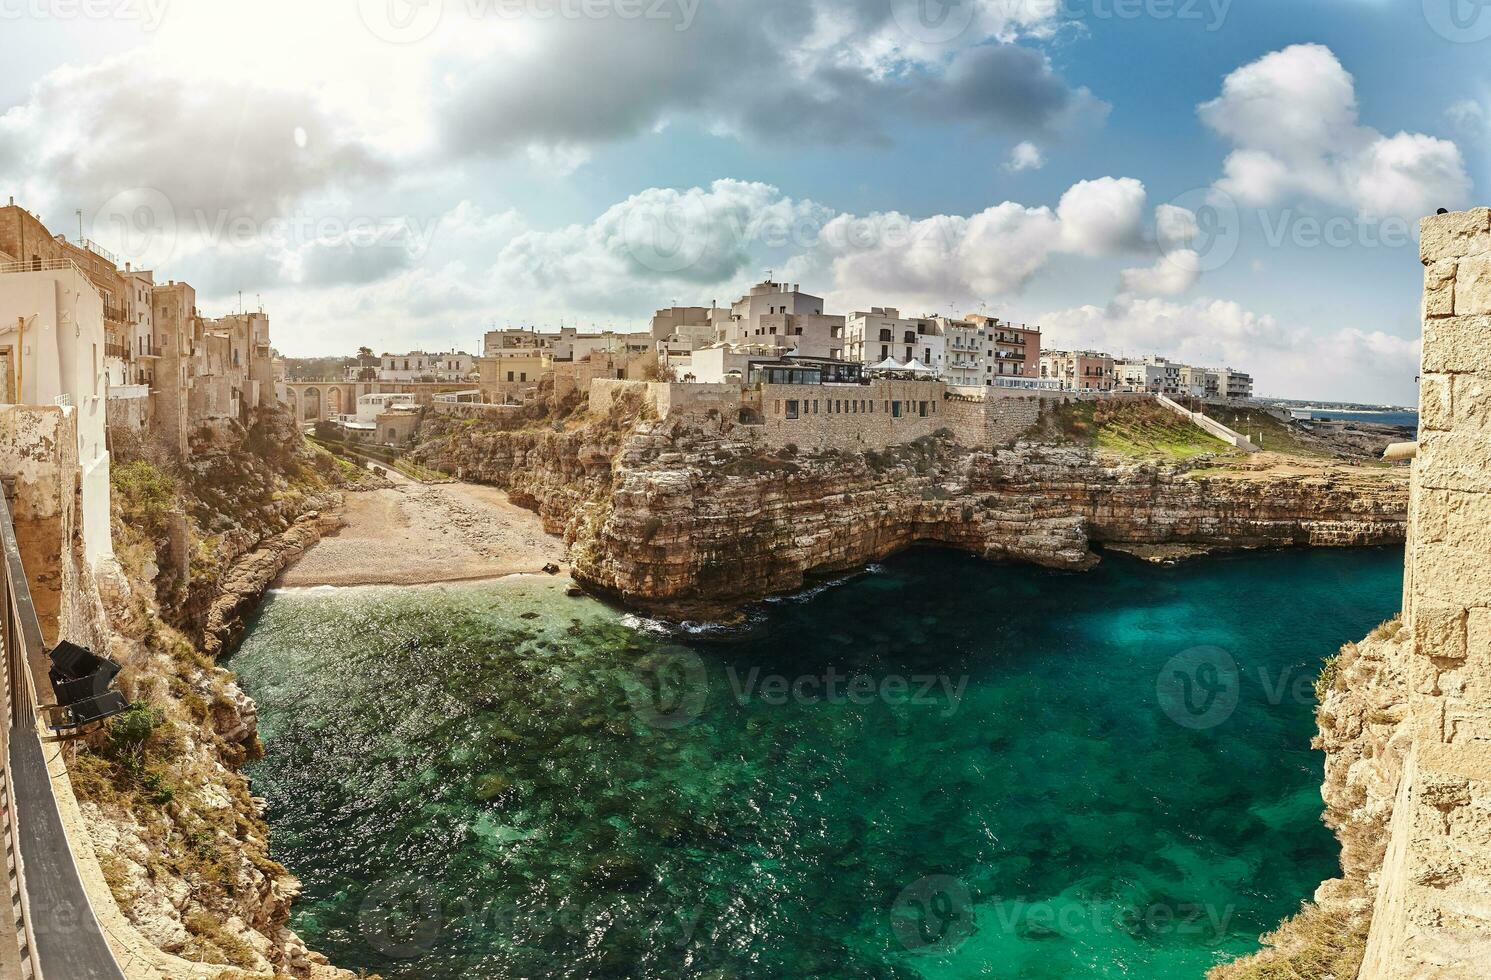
[(120, 351)]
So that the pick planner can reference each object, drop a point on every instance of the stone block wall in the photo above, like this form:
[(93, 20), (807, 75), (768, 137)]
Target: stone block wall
[(1432, 913), (851, 418)]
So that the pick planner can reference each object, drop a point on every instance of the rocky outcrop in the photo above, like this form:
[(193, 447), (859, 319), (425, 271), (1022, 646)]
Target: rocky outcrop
[(179, 842), (243, 584), (687, 517)]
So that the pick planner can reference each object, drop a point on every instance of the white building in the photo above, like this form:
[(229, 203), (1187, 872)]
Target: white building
[(968, 351), (52, 352), (881, 332), (422, 366)]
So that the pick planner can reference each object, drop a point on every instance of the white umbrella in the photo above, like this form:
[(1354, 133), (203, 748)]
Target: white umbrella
[(889, 364), (916, 367)]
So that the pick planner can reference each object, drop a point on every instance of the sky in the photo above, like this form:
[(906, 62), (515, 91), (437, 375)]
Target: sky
[(1226, 182)]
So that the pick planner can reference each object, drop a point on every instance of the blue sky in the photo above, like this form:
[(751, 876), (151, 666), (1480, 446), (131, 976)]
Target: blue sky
[(407, 176)]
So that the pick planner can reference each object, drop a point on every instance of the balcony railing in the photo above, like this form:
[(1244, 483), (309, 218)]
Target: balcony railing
[(40, 265)]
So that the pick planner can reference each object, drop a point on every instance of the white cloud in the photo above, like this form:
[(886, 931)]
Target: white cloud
[(1172, 273), (1103, 216), (1292, 118), (1469, 117), (1025, 156), (205, 144)]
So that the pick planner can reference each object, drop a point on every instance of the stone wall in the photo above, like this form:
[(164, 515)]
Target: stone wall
[(851, 418), (39, 466), (1433, 901)]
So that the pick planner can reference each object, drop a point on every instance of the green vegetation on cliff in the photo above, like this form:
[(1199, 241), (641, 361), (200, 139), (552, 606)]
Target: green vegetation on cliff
[(1139, 429)]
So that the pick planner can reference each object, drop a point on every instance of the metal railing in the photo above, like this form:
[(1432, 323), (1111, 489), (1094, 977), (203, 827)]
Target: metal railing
[(41, 265), (56, 935)]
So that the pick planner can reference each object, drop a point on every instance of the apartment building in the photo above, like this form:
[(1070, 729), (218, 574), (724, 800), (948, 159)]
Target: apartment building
[(881, 334), (514, 338), (968, 349), (785, 317), (421, 365), (1016, 348), (1234, 384), (1199, 382), (1080, 370)]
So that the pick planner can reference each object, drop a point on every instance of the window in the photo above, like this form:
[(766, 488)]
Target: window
[(509, 375), (884, 352), (792, 408), (921, 409), (895, 410), (523, 376)]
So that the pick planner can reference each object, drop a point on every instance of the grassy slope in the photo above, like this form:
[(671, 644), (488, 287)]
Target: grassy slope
[(1135, 429), (1276, 436)]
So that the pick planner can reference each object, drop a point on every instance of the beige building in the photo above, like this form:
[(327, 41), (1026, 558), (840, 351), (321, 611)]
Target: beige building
[(511, 376), (1080, 370), (784, 317)]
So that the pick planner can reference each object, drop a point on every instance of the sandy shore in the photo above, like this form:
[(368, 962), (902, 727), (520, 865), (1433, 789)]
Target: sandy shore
[(419, 533)]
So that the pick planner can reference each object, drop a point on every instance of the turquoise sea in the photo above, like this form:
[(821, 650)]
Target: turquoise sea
[(940, 768)]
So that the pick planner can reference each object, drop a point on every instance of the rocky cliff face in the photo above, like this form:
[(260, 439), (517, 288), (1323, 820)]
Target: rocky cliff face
[(179, 840), (686, 517)]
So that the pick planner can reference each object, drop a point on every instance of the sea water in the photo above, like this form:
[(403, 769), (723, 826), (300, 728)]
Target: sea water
[(941, 767)]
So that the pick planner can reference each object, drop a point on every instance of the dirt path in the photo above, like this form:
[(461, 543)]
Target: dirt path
[(417, 533)]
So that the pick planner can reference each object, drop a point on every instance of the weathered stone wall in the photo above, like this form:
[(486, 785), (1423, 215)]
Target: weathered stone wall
[(39, 465), (851, 418), (1433, 901), (1405, 716), (983, 422)]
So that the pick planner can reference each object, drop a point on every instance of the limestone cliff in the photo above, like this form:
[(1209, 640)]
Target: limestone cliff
[(179, 841), (688, 516)]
